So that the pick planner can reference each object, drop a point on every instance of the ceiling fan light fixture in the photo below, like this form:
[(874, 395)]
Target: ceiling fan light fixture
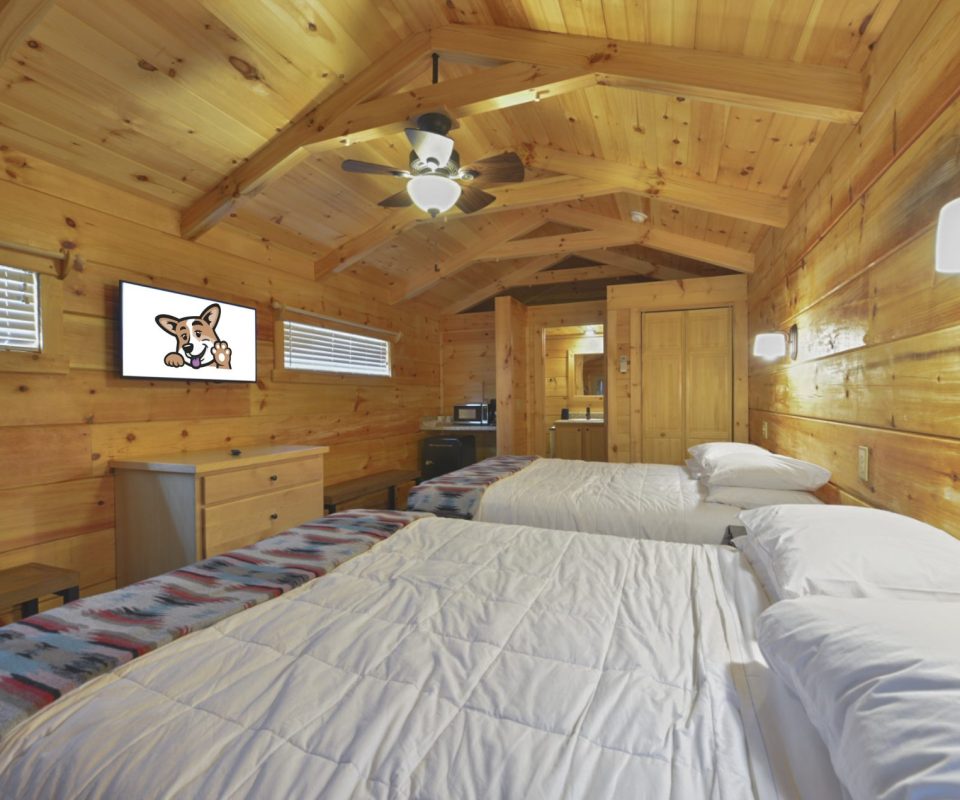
[(433, 193)]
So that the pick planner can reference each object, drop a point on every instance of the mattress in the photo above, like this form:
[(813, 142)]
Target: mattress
[(455, 659), (638, 501)]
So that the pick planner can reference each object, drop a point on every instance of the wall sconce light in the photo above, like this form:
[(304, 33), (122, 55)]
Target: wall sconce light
[(770, 345), (948, 238), (793, 342)]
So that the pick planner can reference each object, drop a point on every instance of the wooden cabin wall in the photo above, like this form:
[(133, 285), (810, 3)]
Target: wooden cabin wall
[(58, 432), (469, 360), (879, 330)]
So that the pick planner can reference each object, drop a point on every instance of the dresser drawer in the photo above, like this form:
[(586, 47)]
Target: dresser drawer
[(243, 522), (226, 486)]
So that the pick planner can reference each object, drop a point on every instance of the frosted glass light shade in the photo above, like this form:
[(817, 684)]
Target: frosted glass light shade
[(948, 238), (770, 345), (433, 193)]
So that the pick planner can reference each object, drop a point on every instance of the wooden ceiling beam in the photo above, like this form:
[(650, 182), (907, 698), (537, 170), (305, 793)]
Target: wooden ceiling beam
[(18, 18), (509, 196), (488, 290), (287, 148), (496, 233), (552, 277), (692, 192), (806, 90), (351, 251), (709, 252), (621, 232), (492, 89), (638, 265)]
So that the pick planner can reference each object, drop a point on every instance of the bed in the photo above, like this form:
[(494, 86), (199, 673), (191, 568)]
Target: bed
[(453, 659), (640, 501)]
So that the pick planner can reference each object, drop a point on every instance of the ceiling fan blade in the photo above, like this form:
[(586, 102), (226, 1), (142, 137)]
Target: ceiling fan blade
[(399, 200), (473, 199), (431, 148), (350, 165), (504, 168)]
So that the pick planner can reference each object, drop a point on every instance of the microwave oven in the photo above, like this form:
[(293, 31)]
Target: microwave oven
[(472, 414)]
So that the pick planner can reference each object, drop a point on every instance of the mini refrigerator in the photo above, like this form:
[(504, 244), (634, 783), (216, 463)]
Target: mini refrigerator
[(443, 454)]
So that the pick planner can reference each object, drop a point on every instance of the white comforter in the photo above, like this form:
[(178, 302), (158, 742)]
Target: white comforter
[(454, 660), (638, 501)]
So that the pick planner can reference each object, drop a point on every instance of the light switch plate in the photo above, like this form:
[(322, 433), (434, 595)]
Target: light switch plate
[(764, 429), (863, 463), (624, 364)]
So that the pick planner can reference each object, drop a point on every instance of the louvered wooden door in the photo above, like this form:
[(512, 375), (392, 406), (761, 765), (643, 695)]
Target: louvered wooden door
[(687, 381)]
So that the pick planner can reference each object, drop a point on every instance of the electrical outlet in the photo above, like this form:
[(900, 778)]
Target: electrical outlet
[(863, 463), (764, 429)]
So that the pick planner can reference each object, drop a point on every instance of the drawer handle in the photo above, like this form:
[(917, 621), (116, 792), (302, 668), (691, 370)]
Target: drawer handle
[(273, 477), (274, 515)]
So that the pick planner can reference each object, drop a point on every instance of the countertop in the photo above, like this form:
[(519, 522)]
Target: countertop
[(593, 421), (453, 426)]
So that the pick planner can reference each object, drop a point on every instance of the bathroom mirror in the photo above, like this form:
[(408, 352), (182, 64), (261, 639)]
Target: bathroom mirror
[(589, 375)]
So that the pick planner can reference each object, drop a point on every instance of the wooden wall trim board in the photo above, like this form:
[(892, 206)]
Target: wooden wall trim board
[(879, 356), (62, 429)]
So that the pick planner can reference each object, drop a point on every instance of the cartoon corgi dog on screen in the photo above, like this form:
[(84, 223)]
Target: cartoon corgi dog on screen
[(197, 342)]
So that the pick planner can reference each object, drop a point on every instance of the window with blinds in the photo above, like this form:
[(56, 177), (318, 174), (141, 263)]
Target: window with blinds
[(320, 349), (19, 310)]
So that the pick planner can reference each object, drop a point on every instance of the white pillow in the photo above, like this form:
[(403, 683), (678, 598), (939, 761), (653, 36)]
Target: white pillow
[(755, 498), (767, 471), (880, 680), (709, 454), (848, 551), (760, 563), (693, 467)]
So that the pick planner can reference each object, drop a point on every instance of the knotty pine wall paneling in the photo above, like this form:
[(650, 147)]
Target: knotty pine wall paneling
[(59, 431), (469, 360), (879, 329)]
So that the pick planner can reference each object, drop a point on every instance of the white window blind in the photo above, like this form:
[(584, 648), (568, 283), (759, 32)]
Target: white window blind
[(325, 350), (19, 310)]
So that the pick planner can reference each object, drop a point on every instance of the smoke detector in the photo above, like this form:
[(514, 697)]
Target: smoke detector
[(638, 216)]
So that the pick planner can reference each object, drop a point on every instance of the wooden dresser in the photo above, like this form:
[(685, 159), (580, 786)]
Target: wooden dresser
[(173, 510)]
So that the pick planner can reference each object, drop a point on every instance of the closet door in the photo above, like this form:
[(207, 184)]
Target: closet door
[(708, 379), (662, 374)]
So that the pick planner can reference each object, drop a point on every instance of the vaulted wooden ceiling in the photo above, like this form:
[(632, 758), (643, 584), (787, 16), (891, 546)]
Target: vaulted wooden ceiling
[(700, 113)]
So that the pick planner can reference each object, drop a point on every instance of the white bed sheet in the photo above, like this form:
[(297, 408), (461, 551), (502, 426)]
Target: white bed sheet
[(637, 501), (455, 659)]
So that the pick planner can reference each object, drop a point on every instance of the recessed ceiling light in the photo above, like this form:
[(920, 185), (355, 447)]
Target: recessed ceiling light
[(638, 216)]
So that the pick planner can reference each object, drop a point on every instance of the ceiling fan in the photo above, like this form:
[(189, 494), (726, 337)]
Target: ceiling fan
[(435, 180)]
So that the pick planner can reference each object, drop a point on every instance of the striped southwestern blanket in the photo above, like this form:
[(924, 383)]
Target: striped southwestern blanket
[(47, 655), (458, 494)]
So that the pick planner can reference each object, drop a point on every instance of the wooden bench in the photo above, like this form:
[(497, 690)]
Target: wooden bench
[(368, 484), (24, 586)]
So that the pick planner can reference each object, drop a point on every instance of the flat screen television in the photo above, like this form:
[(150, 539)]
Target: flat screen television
[(172, 335)]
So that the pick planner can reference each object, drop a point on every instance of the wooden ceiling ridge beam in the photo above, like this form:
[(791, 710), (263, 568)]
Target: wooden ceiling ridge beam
[(695, 193), (287, 148), (831, 94), (18, 18)]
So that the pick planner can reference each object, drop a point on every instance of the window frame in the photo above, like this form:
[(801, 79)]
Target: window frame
[(283, 373), (51, 358)]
